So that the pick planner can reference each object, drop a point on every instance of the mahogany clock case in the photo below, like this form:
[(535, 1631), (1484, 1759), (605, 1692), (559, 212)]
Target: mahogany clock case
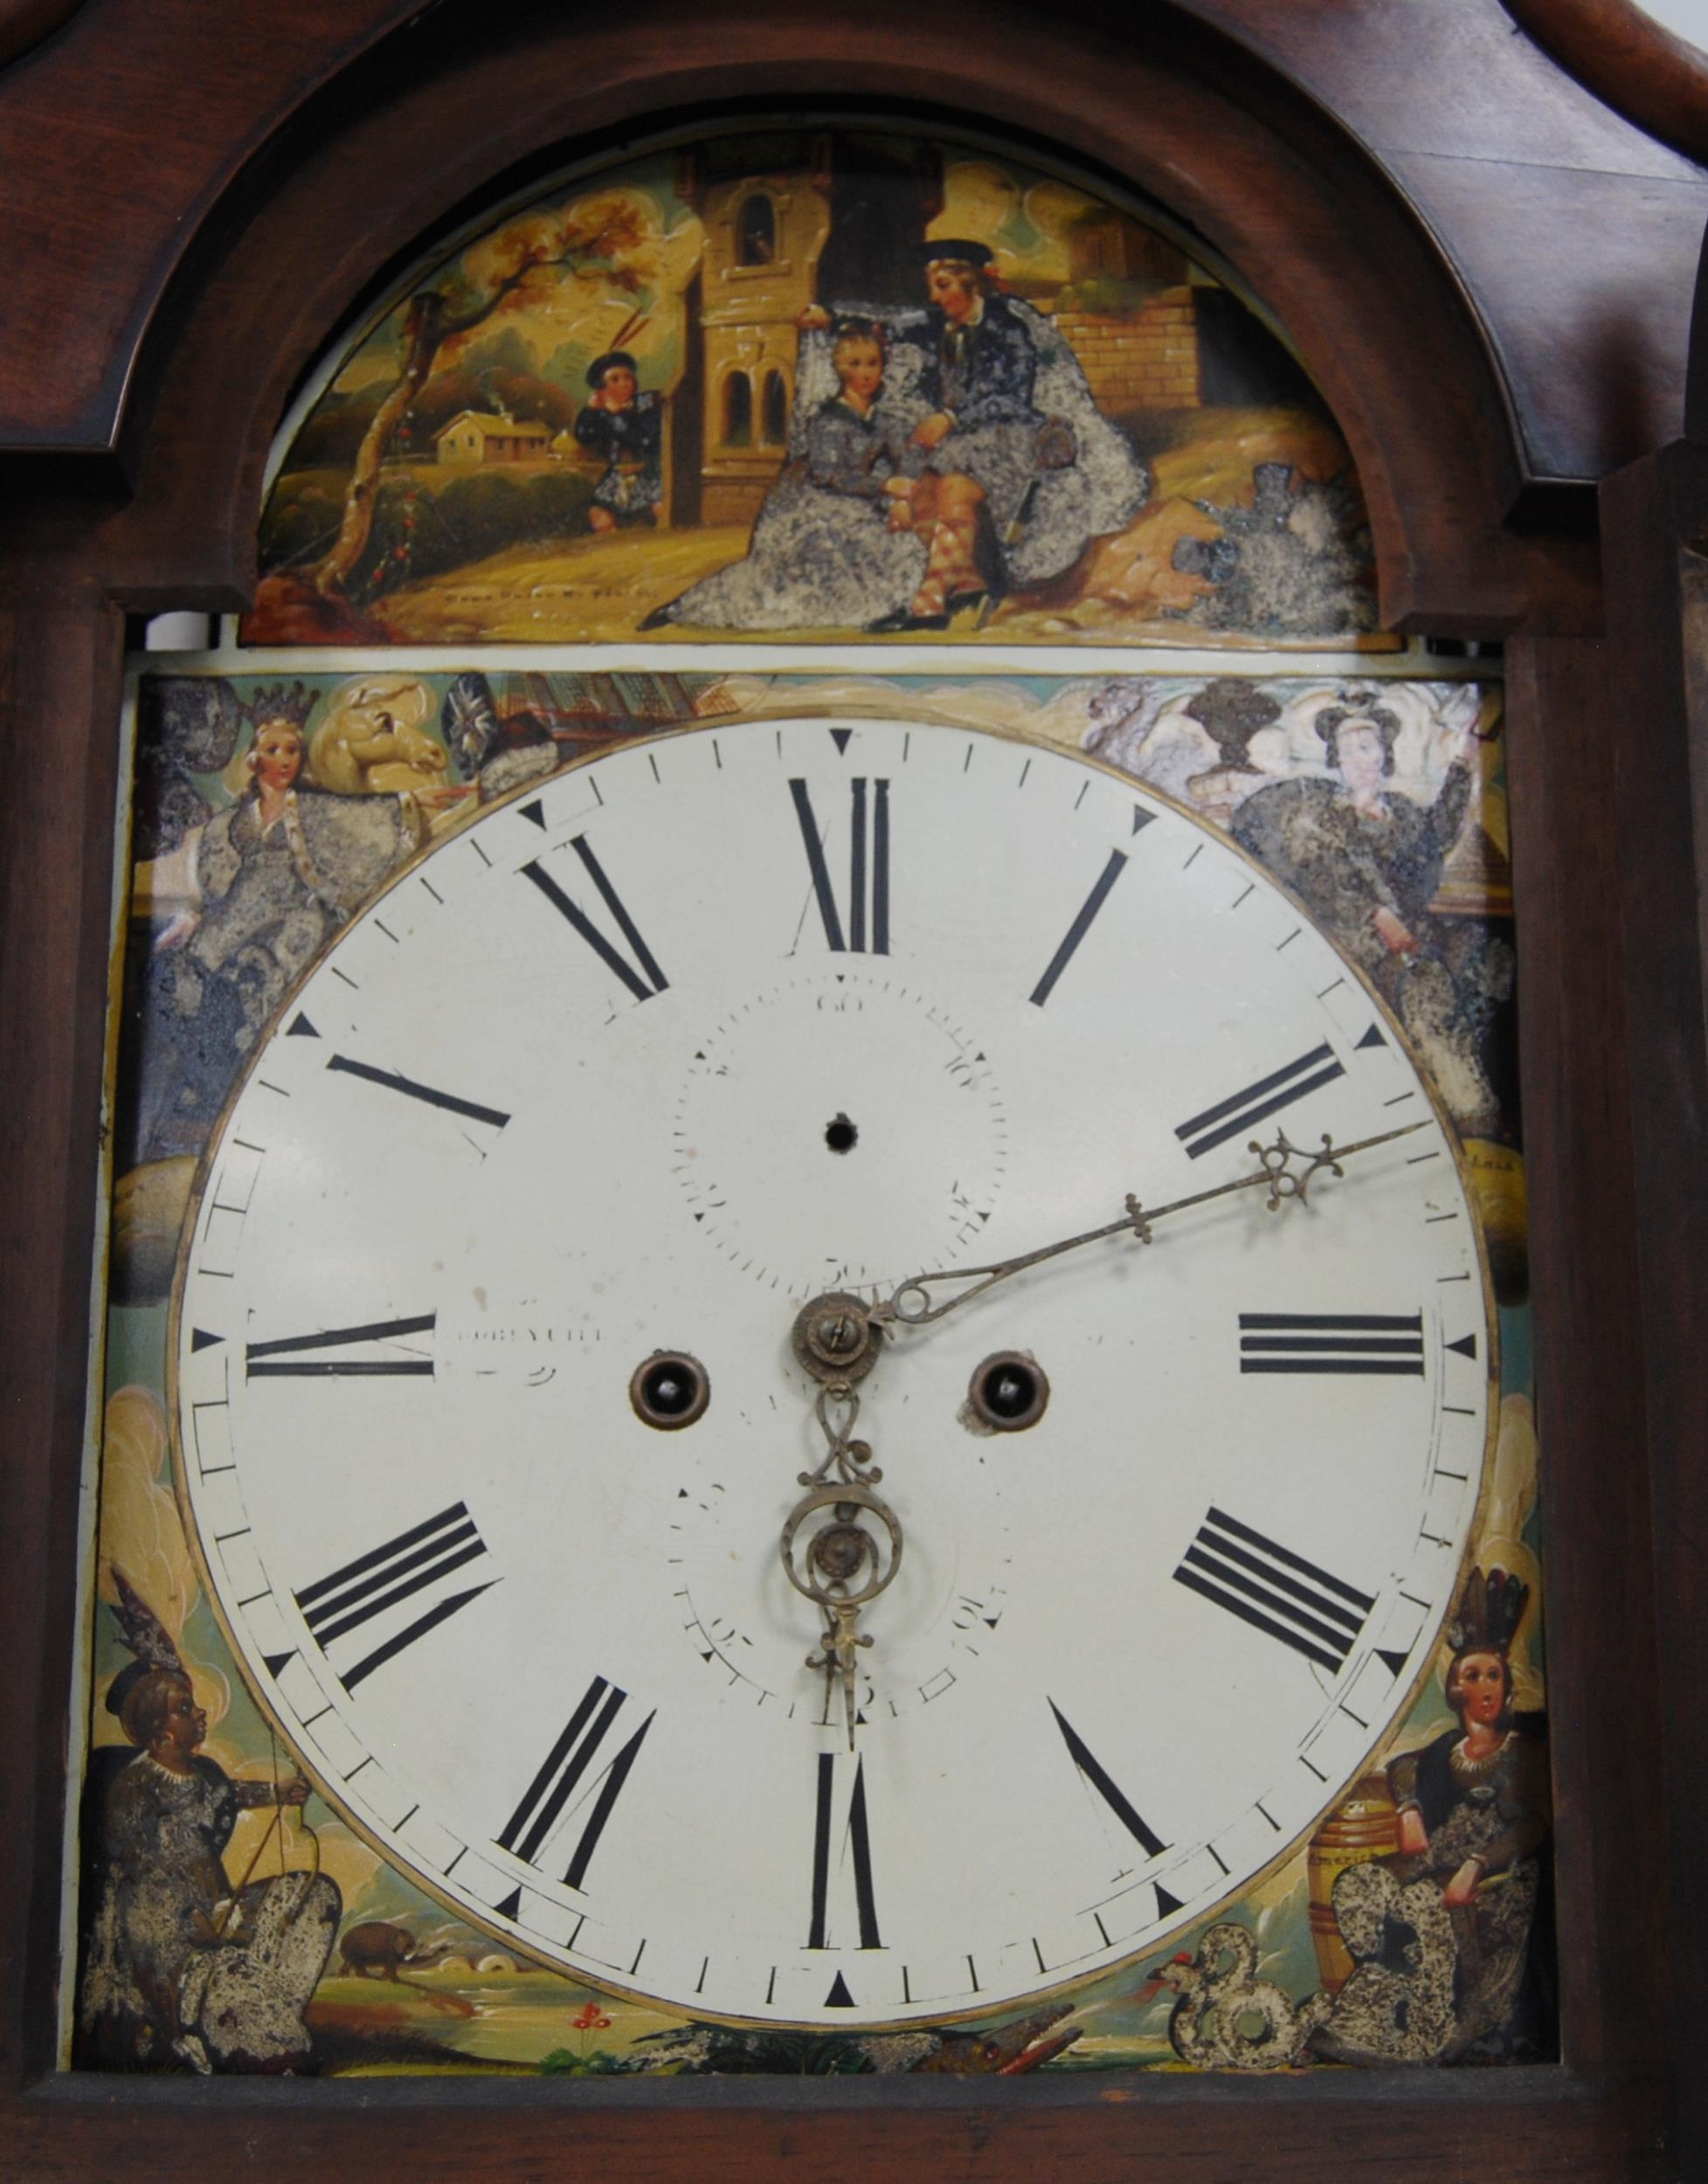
[(1236, 152)]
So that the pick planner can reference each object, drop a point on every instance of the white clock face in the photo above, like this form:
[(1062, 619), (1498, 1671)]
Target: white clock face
[(644, 1061)]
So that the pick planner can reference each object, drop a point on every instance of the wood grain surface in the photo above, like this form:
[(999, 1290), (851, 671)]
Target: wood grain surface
[(1290, 201), (1619, 51), (1657, 528)]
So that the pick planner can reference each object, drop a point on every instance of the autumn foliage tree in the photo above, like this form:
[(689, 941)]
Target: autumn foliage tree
[(554, 267)]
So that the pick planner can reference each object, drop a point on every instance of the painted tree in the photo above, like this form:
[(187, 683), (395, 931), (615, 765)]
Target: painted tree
[(551, 269)]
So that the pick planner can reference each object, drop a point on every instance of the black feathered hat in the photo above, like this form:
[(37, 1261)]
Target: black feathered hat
[(954, 249), (600, 365), (147, 1637), (1488, 1613)]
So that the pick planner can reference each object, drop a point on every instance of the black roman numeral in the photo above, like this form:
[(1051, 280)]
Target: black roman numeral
[(868, 868), (386, 1577), (394, 1082), (1080, 927), (1332, 1342), (1106, 1787), (1274, 1590), (536, 1818), (858, 1842), (287, 1356), (645, 982), (1239, 1112)]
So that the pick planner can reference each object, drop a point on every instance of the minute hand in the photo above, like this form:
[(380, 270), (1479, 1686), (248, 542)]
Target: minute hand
[(910, 1304)]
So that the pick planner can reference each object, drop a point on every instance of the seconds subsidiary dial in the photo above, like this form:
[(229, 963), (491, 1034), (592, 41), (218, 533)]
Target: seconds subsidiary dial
[(668, 1163)]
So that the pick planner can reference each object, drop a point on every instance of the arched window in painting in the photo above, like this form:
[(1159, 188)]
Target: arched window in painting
[(737, 410), (756, 231), (774, 414)]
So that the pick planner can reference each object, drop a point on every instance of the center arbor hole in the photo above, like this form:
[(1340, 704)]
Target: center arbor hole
[(841, 1135)]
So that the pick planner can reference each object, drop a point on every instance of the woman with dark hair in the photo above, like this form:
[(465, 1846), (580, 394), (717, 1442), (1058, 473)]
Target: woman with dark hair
[(181, 1970), (835, 543), (1366, 859), (1367, 862), (1474, 1812)]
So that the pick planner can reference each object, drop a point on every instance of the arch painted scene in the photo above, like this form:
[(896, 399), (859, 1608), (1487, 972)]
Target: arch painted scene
[(816, 383)]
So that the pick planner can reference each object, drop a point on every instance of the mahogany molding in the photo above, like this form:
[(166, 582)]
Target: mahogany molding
[(1627, 58), (1283, 193), (117, 141), (132, 138), (1655, 516), (197, 194), (26, 23)]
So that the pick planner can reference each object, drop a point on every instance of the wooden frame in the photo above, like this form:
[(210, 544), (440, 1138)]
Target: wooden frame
[(1623, 55), (1656, 517), (159, 510)]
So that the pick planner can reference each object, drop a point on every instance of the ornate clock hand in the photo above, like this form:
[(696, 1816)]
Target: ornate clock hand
[(842, 1565), (910, 1305), (837, 1337)]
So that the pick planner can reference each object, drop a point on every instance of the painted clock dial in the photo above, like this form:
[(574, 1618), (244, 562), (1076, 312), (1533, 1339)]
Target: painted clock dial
[(641, 1063)]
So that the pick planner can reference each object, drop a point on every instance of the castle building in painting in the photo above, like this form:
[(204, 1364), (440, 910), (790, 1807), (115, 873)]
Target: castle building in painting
[(764, 235), (828, 224)]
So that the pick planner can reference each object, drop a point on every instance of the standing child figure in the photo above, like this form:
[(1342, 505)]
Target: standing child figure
[(625, 428)]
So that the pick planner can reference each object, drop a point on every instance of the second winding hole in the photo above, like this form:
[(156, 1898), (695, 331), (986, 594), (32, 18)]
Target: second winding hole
[(1009, 1392)]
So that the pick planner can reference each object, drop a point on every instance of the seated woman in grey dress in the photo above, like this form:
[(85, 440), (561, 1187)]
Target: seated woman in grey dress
[(1007, 470), (831, 546), (1367, 860), (264, 883)]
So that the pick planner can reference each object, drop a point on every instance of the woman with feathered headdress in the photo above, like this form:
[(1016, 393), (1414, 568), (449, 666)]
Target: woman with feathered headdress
[(1474, 1815), (172, 1979)]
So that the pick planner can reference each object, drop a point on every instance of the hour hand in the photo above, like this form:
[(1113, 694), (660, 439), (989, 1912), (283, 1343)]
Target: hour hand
[(839, 1565), (837, 1654), (842, 1544), (918, 1301)]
